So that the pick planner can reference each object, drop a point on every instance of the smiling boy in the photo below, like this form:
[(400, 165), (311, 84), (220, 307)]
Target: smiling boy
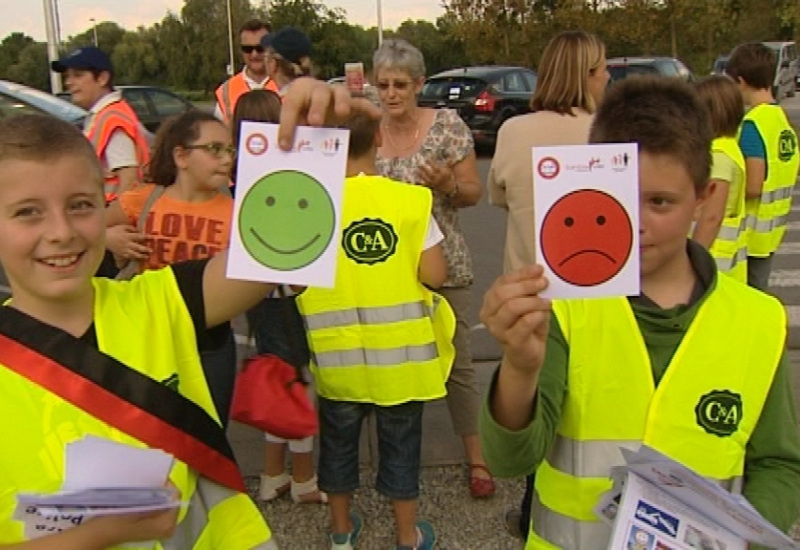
[(582, 378)]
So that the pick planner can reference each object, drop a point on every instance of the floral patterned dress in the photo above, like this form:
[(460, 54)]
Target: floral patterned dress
[(449, 140)]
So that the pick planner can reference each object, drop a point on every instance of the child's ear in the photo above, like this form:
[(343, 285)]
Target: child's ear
[(702, 198), (179, 157)]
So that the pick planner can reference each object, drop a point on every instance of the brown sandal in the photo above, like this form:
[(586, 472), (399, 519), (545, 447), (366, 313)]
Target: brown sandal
[(479, 487)]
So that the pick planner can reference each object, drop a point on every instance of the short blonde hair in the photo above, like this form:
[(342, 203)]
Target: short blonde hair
[(567, 62), (400, 55)]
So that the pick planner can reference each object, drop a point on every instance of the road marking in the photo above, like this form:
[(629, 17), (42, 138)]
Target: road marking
[(788, 249), (784, 278), (793, 313), (793, 226)]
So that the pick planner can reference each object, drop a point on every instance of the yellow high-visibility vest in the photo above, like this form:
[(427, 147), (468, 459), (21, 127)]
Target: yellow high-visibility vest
[(380, 336), (767, 214), (729, 249), (701, 414), (143, 323)]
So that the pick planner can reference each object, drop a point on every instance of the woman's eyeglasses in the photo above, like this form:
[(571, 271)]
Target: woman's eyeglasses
[(258, 48), (215, 148), (399, 85)]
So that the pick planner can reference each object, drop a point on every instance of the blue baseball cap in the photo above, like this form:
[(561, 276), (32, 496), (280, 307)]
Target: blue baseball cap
[(87, 58), (290, 43)]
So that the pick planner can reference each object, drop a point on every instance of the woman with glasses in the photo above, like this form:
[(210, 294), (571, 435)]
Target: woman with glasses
[(435, 148), (187, 216)]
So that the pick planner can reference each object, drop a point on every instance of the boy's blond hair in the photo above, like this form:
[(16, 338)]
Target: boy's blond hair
[(664, 116), (43, 138)]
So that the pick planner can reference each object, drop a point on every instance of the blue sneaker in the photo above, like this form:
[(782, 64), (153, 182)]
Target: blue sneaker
[(426, 537), (347, 541)]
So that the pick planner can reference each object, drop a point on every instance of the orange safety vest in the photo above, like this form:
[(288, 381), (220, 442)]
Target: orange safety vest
[(229, 92), (113, 117)]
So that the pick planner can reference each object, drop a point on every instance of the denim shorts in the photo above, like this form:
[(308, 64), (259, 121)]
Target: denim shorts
[(399, 447)]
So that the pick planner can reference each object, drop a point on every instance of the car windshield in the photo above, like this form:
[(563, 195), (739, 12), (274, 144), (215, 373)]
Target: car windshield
[(452, 88), (619, 72), (44, 101)]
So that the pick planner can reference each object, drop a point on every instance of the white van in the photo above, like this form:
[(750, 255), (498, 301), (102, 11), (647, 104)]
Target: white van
[(786, 68)]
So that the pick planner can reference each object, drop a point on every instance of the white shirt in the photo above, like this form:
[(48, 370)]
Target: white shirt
[(121, 149)]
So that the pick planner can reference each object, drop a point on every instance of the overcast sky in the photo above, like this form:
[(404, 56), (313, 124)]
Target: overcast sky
[(28, 15)]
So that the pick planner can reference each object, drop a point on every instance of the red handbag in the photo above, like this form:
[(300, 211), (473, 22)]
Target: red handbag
[(270, 396)]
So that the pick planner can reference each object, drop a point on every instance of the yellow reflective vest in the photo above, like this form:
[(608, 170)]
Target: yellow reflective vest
[(380, 336), (144, 324), (767, 214), (701, 414), (729, 249)]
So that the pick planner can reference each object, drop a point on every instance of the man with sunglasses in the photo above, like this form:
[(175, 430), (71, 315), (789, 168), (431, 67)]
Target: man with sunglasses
[(252, 77)]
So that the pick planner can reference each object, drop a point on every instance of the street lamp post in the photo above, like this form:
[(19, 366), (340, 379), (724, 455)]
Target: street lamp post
[(52, 45), (380, 24), (230, 41), (94, 31)]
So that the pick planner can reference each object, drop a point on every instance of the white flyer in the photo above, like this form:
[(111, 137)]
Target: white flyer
[(288, 206), (586, 208)]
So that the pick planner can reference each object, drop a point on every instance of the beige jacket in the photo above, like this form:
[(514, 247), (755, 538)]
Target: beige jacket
[(511, 174)]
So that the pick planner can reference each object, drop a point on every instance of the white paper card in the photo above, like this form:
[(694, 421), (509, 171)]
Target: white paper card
[(586, 207), (288, 206)]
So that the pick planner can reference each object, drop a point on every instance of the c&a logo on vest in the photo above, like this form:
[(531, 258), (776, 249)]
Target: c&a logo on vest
[(369, 241), (719, 412)]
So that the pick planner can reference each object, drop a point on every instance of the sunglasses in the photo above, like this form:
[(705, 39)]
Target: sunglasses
[(399, 85), (215, 148), (247, 48)]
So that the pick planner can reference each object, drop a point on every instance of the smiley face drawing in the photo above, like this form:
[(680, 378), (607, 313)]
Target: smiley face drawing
[(286, 220), (586, 237)]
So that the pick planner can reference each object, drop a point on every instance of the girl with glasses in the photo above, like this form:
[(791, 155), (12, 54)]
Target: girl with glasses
[(188, 211)]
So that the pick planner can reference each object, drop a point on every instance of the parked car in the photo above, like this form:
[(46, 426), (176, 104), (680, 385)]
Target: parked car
[(719, 65), (623, 67), (20, 99), (786, 68), (484, 96), (151, 104)]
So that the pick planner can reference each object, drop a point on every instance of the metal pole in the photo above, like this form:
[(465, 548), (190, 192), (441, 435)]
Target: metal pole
[(380, 24), (231, 70), (94, 31), (52, 45)]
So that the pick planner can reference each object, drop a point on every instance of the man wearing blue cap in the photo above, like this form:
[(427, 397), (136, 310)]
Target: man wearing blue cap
[(288, 54), (112, 126)]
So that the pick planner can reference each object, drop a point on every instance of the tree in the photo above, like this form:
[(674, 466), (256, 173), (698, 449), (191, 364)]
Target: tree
[(109, 35), (10, 49), (136, 60), (32, 67)]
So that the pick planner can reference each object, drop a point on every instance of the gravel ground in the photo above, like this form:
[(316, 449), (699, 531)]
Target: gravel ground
[(461, 522)]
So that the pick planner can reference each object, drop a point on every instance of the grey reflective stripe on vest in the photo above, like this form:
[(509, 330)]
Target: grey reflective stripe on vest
[(226, 99), (765, 226), (565, 532), (368, 316), (207, 494), (726, 264), (595, 458), (776, 195), (376, 357), (727, 233)]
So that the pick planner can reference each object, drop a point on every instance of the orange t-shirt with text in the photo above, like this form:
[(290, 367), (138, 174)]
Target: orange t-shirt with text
[(175, 230)]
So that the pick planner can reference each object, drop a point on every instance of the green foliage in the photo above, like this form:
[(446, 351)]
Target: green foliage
[(189, 50)]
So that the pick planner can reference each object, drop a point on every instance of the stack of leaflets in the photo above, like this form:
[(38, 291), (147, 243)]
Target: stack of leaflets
[(101, 477), (658, 504)]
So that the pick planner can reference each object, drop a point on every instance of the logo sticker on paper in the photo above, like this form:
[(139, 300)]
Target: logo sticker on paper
[(548, 168), (257, 144), (657, 518), (719, 412), (369, 241)]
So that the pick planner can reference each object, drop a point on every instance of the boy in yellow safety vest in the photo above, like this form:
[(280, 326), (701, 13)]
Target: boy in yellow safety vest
[(693, 367), (380, 340), (769, 144)]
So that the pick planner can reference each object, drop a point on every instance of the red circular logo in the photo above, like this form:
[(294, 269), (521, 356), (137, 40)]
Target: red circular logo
[(548, 168), (256, 144)]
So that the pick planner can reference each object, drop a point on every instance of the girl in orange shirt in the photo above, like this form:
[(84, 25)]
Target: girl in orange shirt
[(190, 220)]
